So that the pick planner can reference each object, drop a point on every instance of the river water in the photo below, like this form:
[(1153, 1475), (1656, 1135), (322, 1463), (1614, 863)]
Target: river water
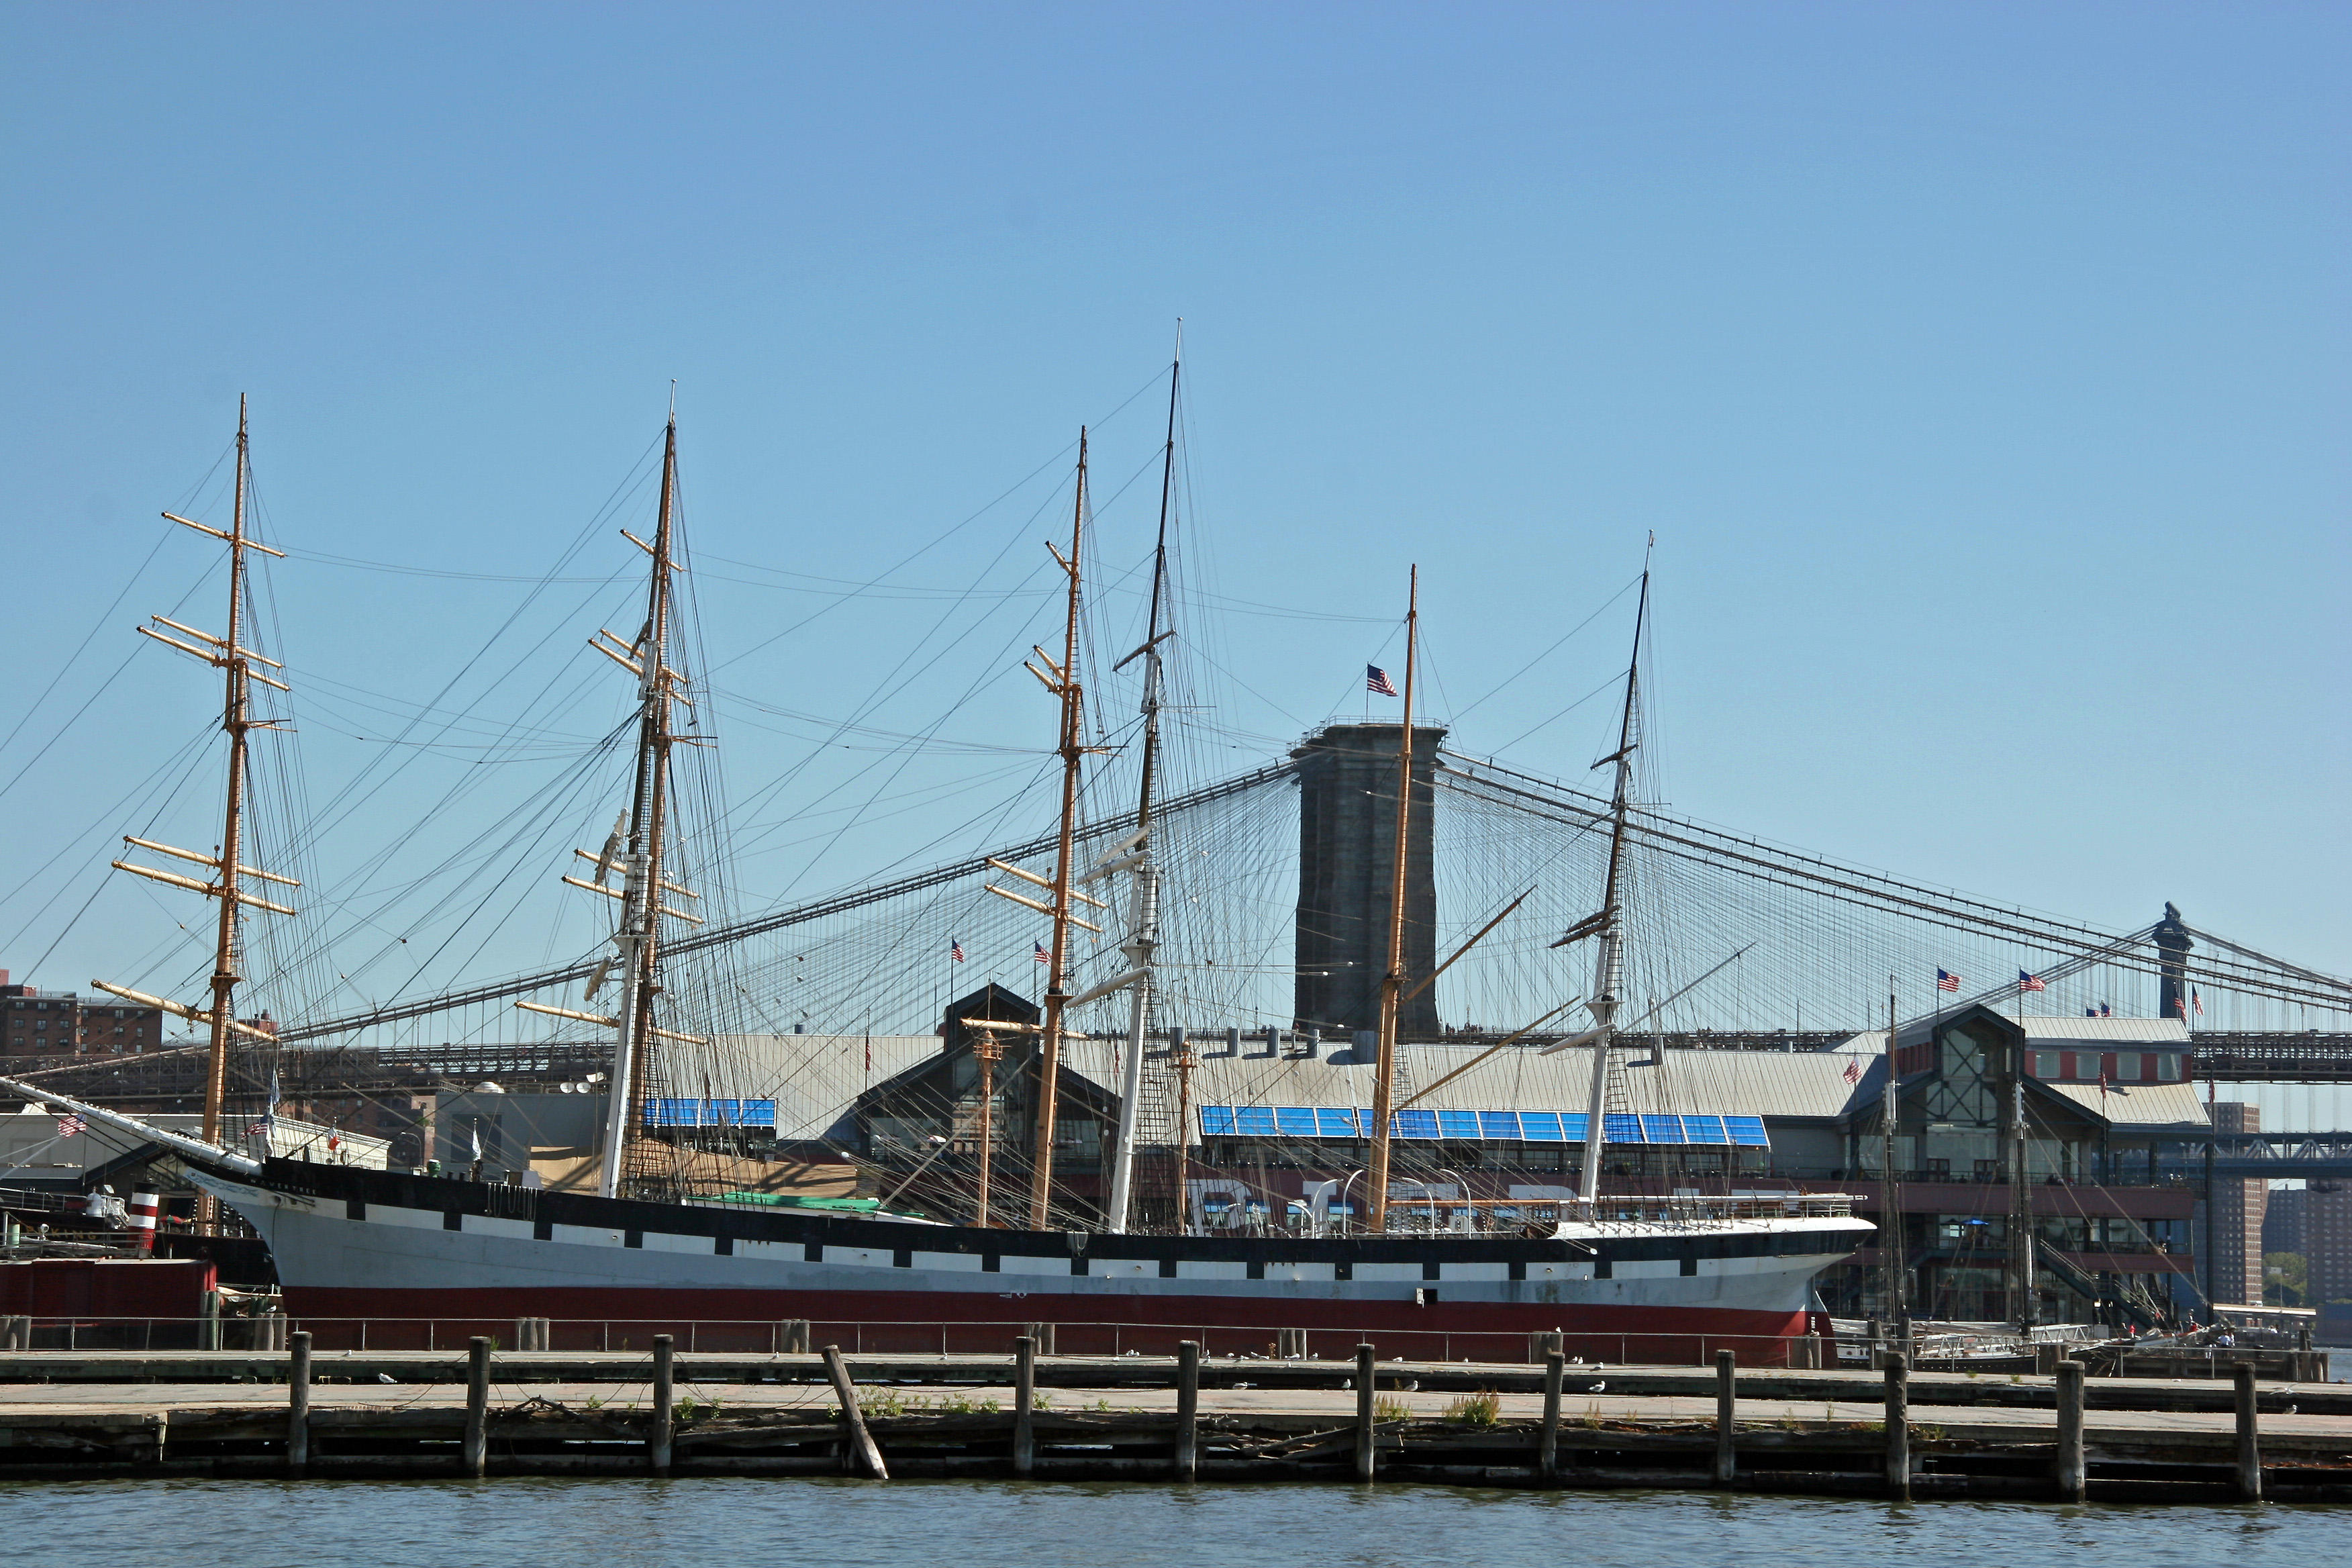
[(815, 1523)]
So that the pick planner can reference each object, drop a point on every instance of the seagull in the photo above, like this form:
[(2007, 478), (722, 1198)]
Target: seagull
[(1596, 1388), (383, 1377)]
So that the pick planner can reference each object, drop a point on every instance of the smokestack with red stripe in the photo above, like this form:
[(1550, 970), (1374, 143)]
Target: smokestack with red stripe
[(143, 1219)]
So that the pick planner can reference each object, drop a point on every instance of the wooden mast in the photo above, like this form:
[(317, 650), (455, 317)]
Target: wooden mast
[(1143, 909), (1065, 681), (236, 719), (229, 654), (1393, 983), (1609, 964), (640, 933)]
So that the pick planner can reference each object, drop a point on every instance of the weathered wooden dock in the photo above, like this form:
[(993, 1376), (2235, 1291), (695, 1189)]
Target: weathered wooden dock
[(486, 1412)]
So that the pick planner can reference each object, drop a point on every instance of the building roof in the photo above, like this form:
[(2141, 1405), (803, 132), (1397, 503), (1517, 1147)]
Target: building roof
[(815, 1079)]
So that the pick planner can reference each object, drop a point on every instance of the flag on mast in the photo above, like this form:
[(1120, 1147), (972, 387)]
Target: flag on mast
[(1043, 956), (955, 950), (2029, 982), (1376, 681), (1947, 981)]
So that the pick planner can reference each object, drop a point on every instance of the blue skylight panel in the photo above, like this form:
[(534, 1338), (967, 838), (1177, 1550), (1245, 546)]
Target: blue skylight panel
[(1332, 1123), (1621, 1128), (1504, 1124), (1662, 1128), (1294, 1121), (1457, 1123), (1544, 1127), (1413, 1124), (1748, 1131), (1705, 1129), (1218, 1122), (1574, 1126), (1254, 1120)]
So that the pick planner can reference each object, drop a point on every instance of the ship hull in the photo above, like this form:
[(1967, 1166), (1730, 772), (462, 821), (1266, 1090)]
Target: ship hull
[(359, 1245)]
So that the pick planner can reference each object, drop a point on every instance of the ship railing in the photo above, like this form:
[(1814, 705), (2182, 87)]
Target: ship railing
[(1434, 1215), (914, 1343)]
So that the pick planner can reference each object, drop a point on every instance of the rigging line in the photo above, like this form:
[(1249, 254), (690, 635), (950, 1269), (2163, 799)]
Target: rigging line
[(99, 625), (1610, 684), (779, 920), (910, 560), (628, 484), (1546, 653)]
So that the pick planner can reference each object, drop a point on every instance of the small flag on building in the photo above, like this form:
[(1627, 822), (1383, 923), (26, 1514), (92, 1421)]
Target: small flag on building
[(1043, 956), (70, 1125), (1854, 1072), (2105, 1010), (1376, 681), (2090, 1012), (2029, 982), (955, 950), (2197, 1001), (1947, 981), (2180, 1005)]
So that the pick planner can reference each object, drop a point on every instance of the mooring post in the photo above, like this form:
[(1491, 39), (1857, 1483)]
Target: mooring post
[(2250, 1448), (298, 1403), (1727, 1402), (478, 1406), (1188, 1411), (1547, 1443), (1364, 1434), (2073, 1482), (860, 1450), (1898, 1426), (658, 1441), (1025, 1404), (208, 1326)]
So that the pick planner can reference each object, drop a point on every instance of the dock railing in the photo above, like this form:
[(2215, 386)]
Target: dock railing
[(1271, 1342)]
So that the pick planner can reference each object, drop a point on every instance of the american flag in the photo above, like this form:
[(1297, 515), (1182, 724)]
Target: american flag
[(2105, 1010), (2197, 1001), (2029, 982), (1854, 1072), (256, 1129), (1947, 981), (2180, 1005), (955, 950), (71, 1124), (1376, 681), (1043, 956)]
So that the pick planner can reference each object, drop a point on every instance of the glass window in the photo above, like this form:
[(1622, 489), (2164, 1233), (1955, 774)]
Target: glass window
[(2045, 1064), (2127, 1066)]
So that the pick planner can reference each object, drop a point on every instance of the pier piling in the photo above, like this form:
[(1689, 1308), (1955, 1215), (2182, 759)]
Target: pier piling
[(1024, 1405), (1898, 1426), (1188, 1411), (1364, 1411), (860, 1451), (658, 1441), (2250, 1450), (1727, 1400), (2072, 1478), (478, 1406), (298, 1403), (1547, 1438)]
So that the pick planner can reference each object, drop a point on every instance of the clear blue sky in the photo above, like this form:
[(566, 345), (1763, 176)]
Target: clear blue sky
[(1981, 370)]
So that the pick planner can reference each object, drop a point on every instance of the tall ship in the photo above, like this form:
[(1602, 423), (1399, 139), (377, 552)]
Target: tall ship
[(1075, 1159)]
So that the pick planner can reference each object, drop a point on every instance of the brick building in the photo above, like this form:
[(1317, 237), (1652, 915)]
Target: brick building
[(36, 1023), (2235, 1265)]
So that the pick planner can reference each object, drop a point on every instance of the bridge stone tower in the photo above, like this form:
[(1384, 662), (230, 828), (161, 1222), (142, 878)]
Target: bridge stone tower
[(1347, 847), (2172, 946)]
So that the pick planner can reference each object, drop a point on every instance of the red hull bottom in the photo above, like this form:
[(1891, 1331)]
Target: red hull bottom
[(719, 1322)]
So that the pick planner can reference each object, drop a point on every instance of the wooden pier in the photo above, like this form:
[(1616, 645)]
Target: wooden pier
[(484, 1411)]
